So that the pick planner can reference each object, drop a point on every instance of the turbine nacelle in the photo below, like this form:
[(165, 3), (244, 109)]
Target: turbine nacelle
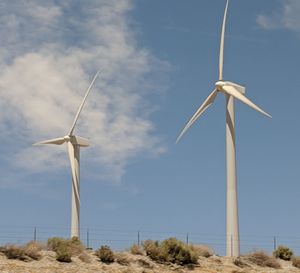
[(221, 85)]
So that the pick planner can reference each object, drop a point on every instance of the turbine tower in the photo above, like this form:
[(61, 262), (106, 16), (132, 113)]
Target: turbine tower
[(73, 145), (230, 90)]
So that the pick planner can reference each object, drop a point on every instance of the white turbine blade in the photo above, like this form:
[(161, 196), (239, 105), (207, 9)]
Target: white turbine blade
[(82, 142), (240, 88), (73, 169), (221, 59), (57, 141), (233, 91), (82, 103), (210, 99)]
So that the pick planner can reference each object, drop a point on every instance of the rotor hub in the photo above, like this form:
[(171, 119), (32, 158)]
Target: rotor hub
[(219, 85), (67, 138)]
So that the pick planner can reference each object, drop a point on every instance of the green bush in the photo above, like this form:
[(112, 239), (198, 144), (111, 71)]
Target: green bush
[(105, 254), (262, 259), (55, 242), (296, 261), (65, 248), (283, 253), (63, 255), (171, 251), (152, 249)]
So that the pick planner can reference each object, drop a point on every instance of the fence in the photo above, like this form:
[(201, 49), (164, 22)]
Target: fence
[(119, 239)]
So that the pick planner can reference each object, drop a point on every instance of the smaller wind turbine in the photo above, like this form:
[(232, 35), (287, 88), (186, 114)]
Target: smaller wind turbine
[(73, 144), (230, 90)]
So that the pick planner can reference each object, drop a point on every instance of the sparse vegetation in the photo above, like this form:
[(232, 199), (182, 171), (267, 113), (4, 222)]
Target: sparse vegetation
[(28, 252), (65, 248), (152, 249), (105, 254), (63, 254), (122, 259), (32, 249), (202, 250), (14, 252), (136, 250), (296, 261), (260, 258), (168, 255), (171, 251), (283, 253)]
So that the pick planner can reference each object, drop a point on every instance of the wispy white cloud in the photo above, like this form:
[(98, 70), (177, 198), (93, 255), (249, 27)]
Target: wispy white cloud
[(287, 17), (49, 52)]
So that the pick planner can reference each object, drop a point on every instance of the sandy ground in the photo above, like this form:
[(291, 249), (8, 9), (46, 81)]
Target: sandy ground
[(129, 263)]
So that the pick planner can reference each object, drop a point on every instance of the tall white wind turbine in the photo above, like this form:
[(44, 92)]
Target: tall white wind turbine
[(73, 145), (230, 90)]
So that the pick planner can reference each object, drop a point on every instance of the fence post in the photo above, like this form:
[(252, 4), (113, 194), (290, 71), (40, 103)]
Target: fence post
[(187, 238), (138, 238), (88, 239), (34, 234), (275, 243)]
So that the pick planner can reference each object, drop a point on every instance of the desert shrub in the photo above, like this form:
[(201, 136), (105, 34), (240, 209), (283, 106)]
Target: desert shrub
[(136, 250), (122, 259), (178, 252), (28, 252), (55, 242), (170, 251), (76, 247), (152, 249), (84, 257), (283, 253), (105, 254), (14, 252), (296, 261), (262, 259), (63, 254), (202, 250), (65, 248), (32, 249)]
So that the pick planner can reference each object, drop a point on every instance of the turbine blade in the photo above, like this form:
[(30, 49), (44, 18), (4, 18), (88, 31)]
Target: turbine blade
[(75, 175), (238, 87), (210, 99), (221, 59), (57, 141), (82, 103), (233, 91), (77, 140)]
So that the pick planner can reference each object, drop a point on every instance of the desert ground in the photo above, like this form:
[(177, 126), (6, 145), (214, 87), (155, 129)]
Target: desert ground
[(129, 263)]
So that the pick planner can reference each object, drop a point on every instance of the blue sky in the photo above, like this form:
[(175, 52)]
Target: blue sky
[(159, 61)]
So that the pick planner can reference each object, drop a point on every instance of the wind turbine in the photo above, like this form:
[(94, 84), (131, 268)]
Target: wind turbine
[(73, 144), (230, 90)]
